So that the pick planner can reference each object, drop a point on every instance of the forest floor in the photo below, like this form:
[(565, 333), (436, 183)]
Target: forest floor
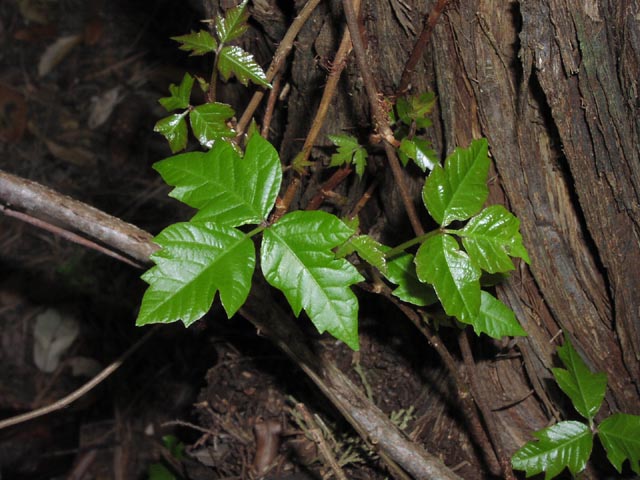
[(79, 83)]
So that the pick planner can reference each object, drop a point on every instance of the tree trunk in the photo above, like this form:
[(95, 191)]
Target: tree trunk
[(553, 86)]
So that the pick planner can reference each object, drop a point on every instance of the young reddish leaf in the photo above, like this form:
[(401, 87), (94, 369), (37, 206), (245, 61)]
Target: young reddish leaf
[(235, 61), (620, 436), (233, 24), (458, 191), (195, 261), (491, 237), (174, 129), (496, 319), (198, 43), (296, 258), (180, 94), (455, 278), (227, 189), (565, 444), (585, 389), (209, 123)]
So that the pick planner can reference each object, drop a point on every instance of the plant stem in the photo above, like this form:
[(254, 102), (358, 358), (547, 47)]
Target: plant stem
[(271, 104), (211, 95), (410, 243), (379, 114), (256, 231), (335, 180), (420, 45), (278, 60)]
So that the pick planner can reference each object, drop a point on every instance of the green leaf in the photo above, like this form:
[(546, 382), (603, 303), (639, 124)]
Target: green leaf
[(401, 270), (458, 191), (157, 471), (367, 249), (585, 389), (565, 444), (349, 151), (198, 43), (209, 123), (620, 436), (419, 151), (180, 95), (233, 24), (235, 61), (455, 278), (491, 237), (297, 259), (496, 319), (228, 190), (416, 108), (195, 261), (174, 129)]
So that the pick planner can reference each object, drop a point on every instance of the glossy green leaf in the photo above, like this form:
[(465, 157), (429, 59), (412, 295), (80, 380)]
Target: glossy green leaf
[(349, 151), (174, 129), (455, 278), (496, 319), (565, 444), (458, 191), (209, 123), (620, 436), (198, 43), (367, 249), (585, 389), (194, 262), (180, 94), (235, 61), (227, 189), (233, 24), (419, 151), (296, 258), (401, 270), (491, 237)]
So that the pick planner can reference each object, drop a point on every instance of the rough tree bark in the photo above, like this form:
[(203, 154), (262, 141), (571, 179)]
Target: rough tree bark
[(553, 85)]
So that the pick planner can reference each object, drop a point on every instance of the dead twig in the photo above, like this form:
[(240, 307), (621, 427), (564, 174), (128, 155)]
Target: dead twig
[(66, 234), (80, 392), (316, 435), (40, 201)]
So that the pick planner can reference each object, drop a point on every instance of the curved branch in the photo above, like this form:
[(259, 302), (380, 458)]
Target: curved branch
[(260, 309)]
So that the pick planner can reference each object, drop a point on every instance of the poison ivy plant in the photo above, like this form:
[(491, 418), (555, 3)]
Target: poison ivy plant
[(210, 121), (209, 254), (349, 151), (491, 238), (568, 444), (303, 254)]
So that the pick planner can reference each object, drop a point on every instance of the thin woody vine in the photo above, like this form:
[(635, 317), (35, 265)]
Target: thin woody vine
[(314, 257)]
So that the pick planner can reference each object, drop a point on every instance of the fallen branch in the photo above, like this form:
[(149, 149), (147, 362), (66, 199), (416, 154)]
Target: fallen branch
[(260, 309)]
